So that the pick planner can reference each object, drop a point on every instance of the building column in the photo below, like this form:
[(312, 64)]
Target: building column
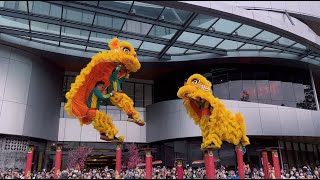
[(180, 168), (265, 164), (240, 161), (57, 164), (118, 157), (27, 171), (209, 163), (276, 165), (148, 164)]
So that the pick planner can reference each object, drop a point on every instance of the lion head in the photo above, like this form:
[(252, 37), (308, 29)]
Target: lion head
[(197, 95), (125, 54)]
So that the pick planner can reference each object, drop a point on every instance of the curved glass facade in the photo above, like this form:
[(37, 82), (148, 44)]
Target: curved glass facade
[(265, 84)]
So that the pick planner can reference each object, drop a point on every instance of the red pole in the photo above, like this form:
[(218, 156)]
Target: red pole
[(240, 161), (276, 164), (27, 171), (179, 169), (209, 163), (265, 164), (118, 157), (148, 164), (57, 165)]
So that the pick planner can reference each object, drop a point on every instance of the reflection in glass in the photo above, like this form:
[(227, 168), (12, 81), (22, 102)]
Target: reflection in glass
[(123, 6), (263, 89), (147, 10), (249, 89), (225, 26), (176, 50), (152, 46), (248, 31), (267, 36), (251, 47), (188, 37), (44, 27), (221, 90), (77, 15), (203, 21), (108, 21), (286, 41), (175, 15), (73, 32), (209, 41), (275, 90), (162, 32), (135, 43), (136, 27), (14, 22), (229, 45), (44, 8), (235, 89), (45, 41), (99, 37), (300, 46), (16, 5)]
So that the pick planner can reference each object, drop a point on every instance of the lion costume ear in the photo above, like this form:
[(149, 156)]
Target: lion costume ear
[(114, 43)]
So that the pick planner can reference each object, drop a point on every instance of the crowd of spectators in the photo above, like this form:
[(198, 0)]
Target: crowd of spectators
[(306, 172)]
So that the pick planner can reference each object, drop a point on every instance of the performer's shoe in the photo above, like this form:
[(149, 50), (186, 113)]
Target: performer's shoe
[(139, 122), (118, 139), (104, 136)]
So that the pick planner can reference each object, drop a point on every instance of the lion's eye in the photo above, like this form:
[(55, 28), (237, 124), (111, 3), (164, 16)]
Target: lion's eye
[(195, 81), (126, 50)]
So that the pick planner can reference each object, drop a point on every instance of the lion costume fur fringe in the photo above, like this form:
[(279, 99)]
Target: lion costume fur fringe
[(100, 69), (218, 124)]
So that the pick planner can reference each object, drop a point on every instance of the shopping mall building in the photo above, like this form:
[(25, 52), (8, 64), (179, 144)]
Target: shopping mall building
[(263, 59)]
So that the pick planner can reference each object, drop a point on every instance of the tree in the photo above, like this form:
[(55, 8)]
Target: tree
[(77, 157), (134, 158)]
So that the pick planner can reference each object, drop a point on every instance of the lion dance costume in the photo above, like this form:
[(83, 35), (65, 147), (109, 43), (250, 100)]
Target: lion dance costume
[(217, 124), (100, 68)]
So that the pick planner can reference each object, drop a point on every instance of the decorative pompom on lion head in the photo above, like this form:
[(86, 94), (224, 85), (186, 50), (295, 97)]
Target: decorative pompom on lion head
[(195, 83), (125, 53)]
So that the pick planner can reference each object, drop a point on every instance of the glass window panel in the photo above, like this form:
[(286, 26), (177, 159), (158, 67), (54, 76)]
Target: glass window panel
[(77, 15), (267, 36), (275, 90), (148, 10), (14, 22), (203, 21), (175, 15), (285, 41), (299, 92), (46, 41), (249, 89), (152, 46), (136, 27), (138, 95), (162, 32), (135, 43), (95, 49), (209, 41), (235, 89), (89, 2), (40, 7), (44, 27), (221, 90), (176, 50), (72, 45), (300, 46), (128, 88), (287, 87), (2, 3), (16, 5), (99, 37), (251, 47), (248, 31), (225, 26), (227, 44), (263, 90), (123, 6), (73, 32), (190, 51), (148, 92), (271, 49), (108, 21), (188, 37)]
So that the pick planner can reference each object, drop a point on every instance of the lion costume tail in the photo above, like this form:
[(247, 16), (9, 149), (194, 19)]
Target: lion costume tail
[(244, 140)]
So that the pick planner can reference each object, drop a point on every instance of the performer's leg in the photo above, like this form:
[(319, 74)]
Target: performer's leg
[(103, 124)]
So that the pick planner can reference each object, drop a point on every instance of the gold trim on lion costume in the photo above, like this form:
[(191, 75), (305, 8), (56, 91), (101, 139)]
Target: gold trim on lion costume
[(217, 124), (100, 69)]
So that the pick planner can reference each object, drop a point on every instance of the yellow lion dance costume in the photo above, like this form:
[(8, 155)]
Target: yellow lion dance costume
[(217, 124), (100, 69)]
